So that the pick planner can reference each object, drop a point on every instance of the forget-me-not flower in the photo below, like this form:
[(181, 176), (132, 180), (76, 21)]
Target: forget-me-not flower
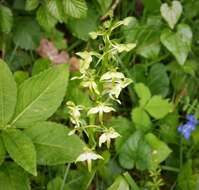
[(187, 128)]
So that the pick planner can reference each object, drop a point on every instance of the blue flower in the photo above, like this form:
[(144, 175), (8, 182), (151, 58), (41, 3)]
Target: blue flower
[(187, 128), (192, 119)]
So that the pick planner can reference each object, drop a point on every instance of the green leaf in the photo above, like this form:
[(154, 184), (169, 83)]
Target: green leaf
[(186, 179), (2, 151), (56, 183), (143, 93), (158, 107), (119, 184), (40, 96), (104, 5), (26, 33), (171, 14), (158, 80), (75, 8), (6, 19), (87, 24), (135, 151), (141, 119), (124, 127), (20, 76), (160, 150), (45, 19), (149, 47), (13, 177), (8, 94), (31, 4), (40, 65), (55, 8), (151, 5), (179, 43), (53, 144), (20, 149)]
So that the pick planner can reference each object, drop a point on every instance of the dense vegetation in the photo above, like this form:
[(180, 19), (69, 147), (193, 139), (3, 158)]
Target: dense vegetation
[(99, 94)]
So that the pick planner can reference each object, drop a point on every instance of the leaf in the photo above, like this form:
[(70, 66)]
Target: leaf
[(20, 149), (158, 80), (13, 177), (87, 24), (149, 49), (124, 127), (27, 37), (56, 183), (160, 150), (53, 144), (20, 76), (119, 184), (141, 119), (75, 8), (45, 19), (40, 96), (6, 19), (104, 5), (179, 43), (151, 5), (143, 93), (31, 4), (55, 9), (158, 107), (171, 14), (40, 65), (2, 151), (8, 94), (134, 152), (186, 179)]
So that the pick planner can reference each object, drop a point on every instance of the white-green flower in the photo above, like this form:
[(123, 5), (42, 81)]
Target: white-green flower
[(91, 85), (88, 155), (112, 75), (100, 109), (74, 113), (107, 136)]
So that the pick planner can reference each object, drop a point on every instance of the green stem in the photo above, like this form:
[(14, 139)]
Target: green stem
[(169, 168), (65, 176)]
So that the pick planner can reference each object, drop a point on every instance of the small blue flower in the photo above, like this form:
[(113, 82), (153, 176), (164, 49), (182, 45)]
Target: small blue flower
[(192, 119), (187, 128)]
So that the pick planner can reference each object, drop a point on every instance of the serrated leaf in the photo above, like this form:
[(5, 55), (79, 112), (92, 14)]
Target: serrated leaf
[(8, 94), (31, 4), (141, 119), (6, 19), (27, 33), (171, 14), (55, 9), (143, 93), (87, 24), (160, 150), (158, 107), (40, 103), (20, 149), (45, 19), (75, 8), (53, 144), (13, 177), (179, 43), (2, 151)]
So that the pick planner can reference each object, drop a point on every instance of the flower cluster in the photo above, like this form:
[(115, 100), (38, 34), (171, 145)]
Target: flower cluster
[(187, 128)]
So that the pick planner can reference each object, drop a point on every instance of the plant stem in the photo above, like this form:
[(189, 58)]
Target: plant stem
[(65, 176), (169, 168)]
